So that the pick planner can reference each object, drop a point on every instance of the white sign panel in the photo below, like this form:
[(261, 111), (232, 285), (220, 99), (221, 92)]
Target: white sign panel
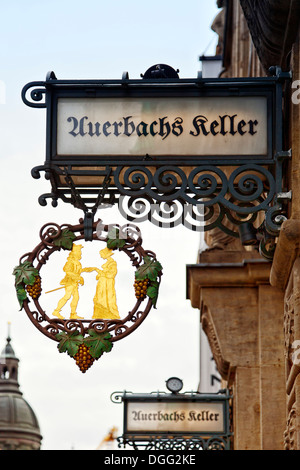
[(177, 417), (201, 126)]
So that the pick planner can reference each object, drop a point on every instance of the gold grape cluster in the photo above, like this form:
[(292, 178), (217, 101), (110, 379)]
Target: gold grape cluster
[(83, 358), (35, 290), (140, 288)]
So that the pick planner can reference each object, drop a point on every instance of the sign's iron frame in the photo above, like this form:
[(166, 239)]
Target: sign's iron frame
[(224, 192), (159, 440)]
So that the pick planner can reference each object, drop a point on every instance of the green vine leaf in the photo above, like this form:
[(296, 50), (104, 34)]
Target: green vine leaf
[(25, 273), (113, 239), (65, 240), (150, 269), (69, 342), (21, 295), (98, 343), (152, 292)]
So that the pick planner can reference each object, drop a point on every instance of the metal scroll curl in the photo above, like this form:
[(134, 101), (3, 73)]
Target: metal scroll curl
[(206, 199), (207, 183), (199, 197), (183, 443), (86, 339), (37, 95)]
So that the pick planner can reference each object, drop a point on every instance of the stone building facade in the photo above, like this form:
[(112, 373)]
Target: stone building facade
[(249, 306)]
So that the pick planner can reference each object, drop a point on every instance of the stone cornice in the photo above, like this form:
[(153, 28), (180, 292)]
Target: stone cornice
[(247, 273), (273, 26)]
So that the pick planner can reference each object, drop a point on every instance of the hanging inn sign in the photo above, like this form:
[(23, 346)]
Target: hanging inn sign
[(175, 421), (204, 153), (201, 152)]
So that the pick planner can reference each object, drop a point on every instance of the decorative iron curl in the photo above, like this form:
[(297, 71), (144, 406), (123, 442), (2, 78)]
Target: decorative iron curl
[(207, 199), (37, 94), (206, 184), (274, 220), (250, 188), (117, 397), (219, 443), (164, 183), (49, 233), (170, 182)]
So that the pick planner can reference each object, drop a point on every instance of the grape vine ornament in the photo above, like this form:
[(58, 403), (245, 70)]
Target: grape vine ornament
[(86, 339)]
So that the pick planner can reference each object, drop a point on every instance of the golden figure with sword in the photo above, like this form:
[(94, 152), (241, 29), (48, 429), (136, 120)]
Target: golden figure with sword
[(70, 282)]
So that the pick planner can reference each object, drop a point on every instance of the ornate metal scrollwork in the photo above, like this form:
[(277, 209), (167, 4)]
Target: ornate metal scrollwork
[(201, 199), (201, 191), (218, 443), (207, 198)]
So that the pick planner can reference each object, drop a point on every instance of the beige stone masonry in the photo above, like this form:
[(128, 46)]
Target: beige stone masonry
[(241, 314)]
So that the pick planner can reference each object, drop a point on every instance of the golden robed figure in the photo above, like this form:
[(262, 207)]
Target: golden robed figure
[(105, 302)]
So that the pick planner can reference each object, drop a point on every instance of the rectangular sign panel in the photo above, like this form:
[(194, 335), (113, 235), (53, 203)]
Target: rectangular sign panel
[(162, 127), (182, 417)]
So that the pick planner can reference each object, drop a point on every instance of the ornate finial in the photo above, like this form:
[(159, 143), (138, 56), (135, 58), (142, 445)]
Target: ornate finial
[(8, 332), (8, 350)]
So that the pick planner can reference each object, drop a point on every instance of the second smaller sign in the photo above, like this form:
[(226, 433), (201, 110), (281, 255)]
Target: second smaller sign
[(175, 417)]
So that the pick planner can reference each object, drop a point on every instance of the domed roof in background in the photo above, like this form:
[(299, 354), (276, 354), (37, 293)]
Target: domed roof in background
[(19, 427)]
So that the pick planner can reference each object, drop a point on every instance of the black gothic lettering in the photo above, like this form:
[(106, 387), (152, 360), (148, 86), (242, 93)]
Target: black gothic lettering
[(81, 126), (251, 126), (128, 124), (106, 125), (241, 124), (232, 131), (91, 131), (199, 125), (116, 126), (140, 132), (213, 125), (164, 129), (222, 130), (151, 128), (75, 125), (97, 129), (177, 128)]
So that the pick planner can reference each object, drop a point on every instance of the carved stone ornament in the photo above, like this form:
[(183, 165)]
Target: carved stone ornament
[(290, 432), (207, 324), (85, 339)]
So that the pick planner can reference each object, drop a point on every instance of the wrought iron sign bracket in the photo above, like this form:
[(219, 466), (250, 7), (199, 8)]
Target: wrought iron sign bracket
[(178, 421), (144, 167)]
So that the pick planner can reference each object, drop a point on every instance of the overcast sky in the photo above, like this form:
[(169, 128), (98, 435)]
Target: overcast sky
[(92, 39)]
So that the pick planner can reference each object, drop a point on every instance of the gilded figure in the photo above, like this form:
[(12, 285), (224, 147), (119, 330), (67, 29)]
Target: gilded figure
[(71, 281), (105, 302)]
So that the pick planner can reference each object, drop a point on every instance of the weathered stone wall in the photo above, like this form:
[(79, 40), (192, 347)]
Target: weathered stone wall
[(250, 309)]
